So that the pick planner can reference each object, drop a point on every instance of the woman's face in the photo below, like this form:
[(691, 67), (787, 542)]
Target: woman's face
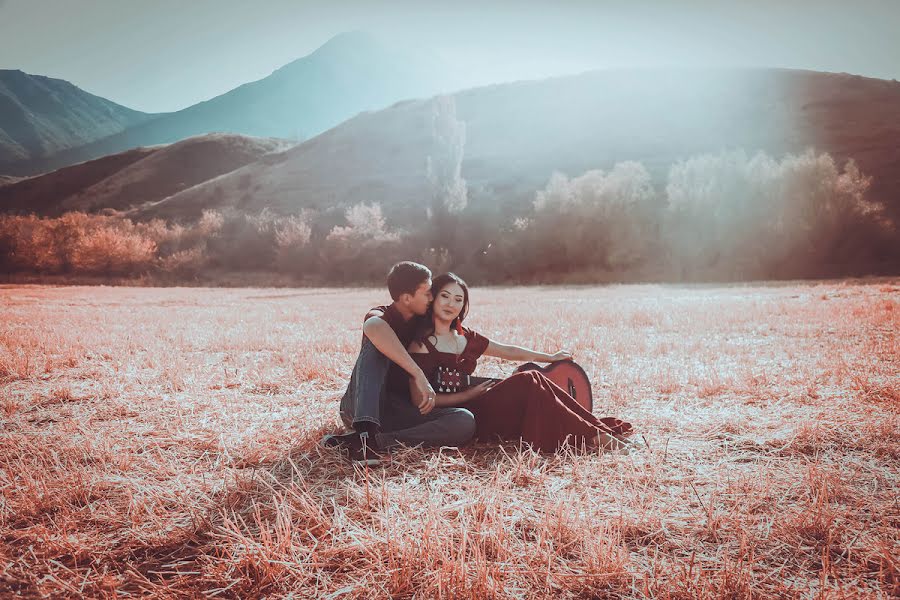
[(449, 302)]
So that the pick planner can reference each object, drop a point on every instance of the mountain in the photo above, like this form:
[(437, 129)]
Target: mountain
[(120, 181), (351, 73), (518, 134), (40, 116)]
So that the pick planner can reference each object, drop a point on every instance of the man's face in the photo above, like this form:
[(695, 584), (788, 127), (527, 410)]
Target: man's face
[(421, 300)]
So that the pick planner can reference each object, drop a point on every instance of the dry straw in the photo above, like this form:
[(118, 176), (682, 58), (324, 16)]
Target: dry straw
[(163, 442)]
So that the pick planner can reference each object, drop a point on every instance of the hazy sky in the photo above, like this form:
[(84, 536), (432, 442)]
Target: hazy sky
[(162, 55)]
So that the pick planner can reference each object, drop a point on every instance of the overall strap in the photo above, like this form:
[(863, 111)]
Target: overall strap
[(429, 345)]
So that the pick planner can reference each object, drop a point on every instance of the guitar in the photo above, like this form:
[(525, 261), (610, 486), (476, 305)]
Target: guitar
[(567, 374)]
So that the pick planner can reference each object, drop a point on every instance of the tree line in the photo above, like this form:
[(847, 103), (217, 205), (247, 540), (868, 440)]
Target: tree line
[(725, 216)]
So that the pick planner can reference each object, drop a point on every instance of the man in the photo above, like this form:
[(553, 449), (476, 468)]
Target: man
[(377, 404)]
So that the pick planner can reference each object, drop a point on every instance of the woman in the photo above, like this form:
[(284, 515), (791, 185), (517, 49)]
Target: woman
[(525, 406)]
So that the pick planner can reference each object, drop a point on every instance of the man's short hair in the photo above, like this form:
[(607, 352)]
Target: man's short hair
[(405, 277)]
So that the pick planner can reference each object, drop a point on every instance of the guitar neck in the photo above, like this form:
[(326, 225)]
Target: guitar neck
[(479, 380)]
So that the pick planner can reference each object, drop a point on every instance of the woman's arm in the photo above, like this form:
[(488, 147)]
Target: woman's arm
[(518, 353), (457, 398)]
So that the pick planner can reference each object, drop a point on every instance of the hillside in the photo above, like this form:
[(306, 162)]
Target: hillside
[(122, 180), (517, 134), (41, 116), (350, 73)]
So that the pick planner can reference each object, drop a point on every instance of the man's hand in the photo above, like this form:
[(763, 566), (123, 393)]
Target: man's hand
[(424, 394)]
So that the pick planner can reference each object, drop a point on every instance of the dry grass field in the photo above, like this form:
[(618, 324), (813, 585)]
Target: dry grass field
[(163, 442)]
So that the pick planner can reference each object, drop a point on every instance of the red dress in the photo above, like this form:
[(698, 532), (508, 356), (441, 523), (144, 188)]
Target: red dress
[(525, 406)]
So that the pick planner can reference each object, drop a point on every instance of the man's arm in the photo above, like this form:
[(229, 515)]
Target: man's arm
[(384, 338)]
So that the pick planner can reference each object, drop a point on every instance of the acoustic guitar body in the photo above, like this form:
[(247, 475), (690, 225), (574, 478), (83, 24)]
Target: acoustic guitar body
[(568, 375)]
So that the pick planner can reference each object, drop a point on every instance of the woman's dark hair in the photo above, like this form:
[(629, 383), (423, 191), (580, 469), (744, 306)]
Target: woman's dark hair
[(437, 284), (405, 277)]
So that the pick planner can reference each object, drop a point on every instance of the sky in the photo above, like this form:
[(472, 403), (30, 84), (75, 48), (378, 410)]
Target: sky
[(164, 55)]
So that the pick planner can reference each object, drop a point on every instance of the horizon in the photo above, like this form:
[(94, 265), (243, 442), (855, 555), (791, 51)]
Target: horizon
[(493, 45)]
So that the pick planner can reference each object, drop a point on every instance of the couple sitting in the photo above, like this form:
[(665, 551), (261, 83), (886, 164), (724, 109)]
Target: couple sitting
[(391, 401)]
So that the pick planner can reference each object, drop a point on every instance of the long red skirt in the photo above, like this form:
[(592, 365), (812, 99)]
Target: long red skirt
[(530, 407)]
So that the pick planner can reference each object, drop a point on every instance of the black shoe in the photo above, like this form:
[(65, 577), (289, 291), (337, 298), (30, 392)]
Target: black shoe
[(338, 440), (365, 451), (362, 449)]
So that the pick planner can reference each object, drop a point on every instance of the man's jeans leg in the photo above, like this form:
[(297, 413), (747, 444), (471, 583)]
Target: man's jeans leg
[(363, 398), (402, 423)]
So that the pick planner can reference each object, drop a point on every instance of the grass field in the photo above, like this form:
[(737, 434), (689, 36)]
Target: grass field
[(164, 442)]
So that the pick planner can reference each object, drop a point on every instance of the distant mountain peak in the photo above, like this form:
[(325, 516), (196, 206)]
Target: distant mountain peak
[(18, 77), (348, 40), (349, 47), (354, 71), (41, 116)]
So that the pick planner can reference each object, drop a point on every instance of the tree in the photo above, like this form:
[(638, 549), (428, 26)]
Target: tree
[(599, 219), (449, 192), (292, 238), (741, 217), (362, 250)]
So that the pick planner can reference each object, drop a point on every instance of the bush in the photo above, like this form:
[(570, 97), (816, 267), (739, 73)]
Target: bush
[(607, 220), (184, 264), (293, 253), (26, 244), (361, 251), (738, 217), (75, 243), (113, 250), (244, 242)]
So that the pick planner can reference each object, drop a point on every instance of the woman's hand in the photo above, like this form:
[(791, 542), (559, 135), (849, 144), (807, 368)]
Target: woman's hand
[(477, 390), (561, 355)]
